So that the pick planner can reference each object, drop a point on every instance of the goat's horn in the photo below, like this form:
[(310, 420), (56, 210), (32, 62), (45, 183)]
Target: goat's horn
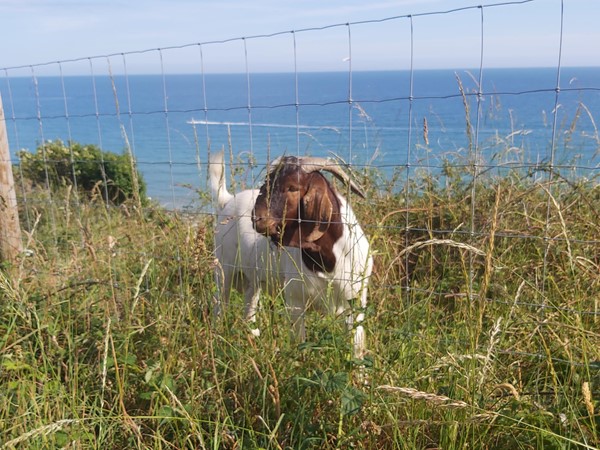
[(312, 164)]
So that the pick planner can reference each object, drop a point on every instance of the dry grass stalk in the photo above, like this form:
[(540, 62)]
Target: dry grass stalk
[(448, 242), (563, 225), (490, 351), (595, 136), (428, 243), (454, 361), (487, 274), (467, 108), (200, 252), (510, 388), (7, 289), (587, 398), (437, 400), (138, 285), (41, 431)]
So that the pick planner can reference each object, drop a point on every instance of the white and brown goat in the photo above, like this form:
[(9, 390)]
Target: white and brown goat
[(297, 234)]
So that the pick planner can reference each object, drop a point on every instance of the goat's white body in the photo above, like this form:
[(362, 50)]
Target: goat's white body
[(250, 262)]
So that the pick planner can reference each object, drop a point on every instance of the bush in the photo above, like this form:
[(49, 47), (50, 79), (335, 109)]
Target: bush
[(86, 166)]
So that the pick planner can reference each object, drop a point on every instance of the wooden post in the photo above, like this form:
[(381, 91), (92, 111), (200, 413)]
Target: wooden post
[(10, 230)]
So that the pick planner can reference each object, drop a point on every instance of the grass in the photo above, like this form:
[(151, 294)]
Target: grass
[(482, 340)]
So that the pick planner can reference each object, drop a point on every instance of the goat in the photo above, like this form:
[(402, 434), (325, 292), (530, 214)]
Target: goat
[(295, 233)]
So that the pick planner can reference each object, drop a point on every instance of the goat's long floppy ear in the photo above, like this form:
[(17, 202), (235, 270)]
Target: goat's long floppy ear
[(317, 208)]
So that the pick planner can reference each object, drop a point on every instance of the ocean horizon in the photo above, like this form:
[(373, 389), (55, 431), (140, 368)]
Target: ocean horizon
[(382, 119)]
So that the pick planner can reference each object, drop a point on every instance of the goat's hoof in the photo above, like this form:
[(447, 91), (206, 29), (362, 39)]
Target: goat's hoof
[(255, 332)]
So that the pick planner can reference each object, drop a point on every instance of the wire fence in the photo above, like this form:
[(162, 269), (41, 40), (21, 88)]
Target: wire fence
[(403, 127)]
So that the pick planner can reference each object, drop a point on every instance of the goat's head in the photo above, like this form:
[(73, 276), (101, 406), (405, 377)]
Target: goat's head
[(297, 205)]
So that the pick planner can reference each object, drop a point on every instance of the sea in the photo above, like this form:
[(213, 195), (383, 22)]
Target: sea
[(390, 121)]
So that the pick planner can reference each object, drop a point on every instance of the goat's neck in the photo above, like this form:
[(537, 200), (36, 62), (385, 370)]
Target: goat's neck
[(321, 256)]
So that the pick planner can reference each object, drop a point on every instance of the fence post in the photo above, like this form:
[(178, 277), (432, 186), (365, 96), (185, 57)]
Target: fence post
[(10, 230)]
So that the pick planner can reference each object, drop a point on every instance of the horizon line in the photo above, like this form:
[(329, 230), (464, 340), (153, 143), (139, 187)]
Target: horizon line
[(287, 72)]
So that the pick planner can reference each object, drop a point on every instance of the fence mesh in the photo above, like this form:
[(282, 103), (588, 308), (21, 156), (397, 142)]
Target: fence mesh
[(423, 132)]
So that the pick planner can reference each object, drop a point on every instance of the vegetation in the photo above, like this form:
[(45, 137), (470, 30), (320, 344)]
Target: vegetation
[(86, 167), (483, 330)]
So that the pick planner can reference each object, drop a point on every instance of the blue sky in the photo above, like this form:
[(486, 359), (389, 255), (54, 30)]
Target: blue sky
[(39, 31)]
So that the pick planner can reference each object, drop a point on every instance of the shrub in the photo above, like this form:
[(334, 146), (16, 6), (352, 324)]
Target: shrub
[(86, 166)]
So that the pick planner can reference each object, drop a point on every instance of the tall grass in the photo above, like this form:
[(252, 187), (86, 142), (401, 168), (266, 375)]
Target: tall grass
[(106, 339), (483, 327)]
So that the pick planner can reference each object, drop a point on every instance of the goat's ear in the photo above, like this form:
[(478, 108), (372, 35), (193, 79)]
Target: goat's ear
[(317, 208)]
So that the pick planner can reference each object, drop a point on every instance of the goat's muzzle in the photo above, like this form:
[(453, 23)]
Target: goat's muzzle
[(266, 225)]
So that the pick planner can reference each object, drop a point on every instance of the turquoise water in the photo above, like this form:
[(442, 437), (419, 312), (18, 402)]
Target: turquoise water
[(170, 121)]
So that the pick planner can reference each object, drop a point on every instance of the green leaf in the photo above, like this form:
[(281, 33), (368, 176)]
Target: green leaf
[(352, 400), (62, 438)]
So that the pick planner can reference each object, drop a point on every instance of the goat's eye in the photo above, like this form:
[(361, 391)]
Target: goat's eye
[(293, 188)]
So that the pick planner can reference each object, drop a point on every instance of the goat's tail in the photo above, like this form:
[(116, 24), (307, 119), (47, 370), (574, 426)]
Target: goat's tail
[(218, 184)]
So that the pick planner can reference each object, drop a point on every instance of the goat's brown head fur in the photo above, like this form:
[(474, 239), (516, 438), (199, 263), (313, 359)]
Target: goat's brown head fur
[(299, 208)]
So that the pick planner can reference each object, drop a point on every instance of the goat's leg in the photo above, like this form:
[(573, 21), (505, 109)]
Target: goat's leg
[(252, 297), (297, 311), (223, 278), (296, 304), (359, 332), (359, 340)]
